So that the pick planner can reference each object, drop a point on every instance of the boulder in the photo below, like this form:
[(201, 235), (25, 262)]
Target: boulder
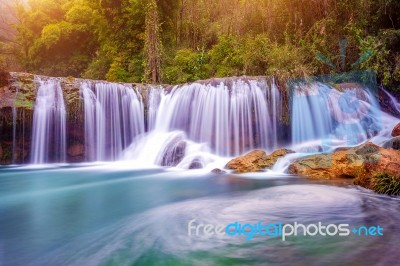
[(255, 161), (273, 157), (196, 164), (393, 143), (174, 153), (76, 150), (361, 163), (218, 171), (396, 131)]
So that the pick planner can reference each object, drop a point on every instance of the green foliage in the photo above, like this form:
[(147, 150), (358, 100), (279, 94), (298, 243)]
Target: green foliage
[(117, 71), (386, 184), (121, 40), (226, 57), (187, 65), (98, 68), (257, 56)]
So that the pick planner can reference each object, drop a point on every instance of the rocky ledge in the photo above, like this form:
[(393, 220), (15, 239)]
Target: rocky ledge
[(369, 165), (256, 161)]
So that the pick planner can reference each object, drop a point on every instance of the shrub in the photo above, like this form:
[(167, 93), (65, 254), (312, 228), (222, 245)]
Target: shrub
[(385, 183), (187, 65)]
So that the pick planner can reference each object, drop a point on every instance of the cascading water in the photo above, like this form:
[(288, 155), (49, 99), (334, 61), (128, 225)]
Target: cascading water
[(49, 123), (275, 105), (14, 114), (114, 116), (393, 101), (324, 118), (154, 96), (226, 118), (194, 125), (320, 112)]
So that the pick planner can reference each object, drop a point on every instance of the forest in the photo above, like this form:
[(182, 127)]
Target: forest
[(178, 41)]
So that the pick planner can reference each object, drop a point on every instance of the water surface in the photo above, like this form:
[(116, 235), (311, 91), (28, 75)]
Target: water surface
[(106, 214)]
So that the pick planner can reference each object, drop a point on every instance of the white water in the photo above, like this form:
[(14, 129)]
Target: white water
[(203, 124), (14, 114), (395, 104), (324, 118), (208, 121), (49, 123), (114, 116)]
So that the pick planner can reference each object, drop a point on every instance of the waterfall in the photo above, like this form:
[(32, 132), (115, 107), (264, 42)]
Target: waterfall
[(320, 112), (231, 116), (114, 116), (154, 96), (275, 105), (195, 124), (14, 115), (393, 101), (49, 123), (224, 117)]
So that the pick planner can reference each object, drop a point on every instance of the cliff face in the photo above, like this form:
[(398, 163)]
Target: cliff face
[(17, 100), (17, 96), (229, 119)]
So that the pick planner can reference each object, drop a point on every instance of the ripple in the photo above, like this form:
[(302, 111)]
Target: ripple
[(164, 229)]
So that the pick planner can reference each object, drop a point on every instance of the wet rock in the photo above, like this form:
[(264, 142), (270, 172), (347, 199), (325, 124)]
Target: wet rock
[(393, 143), (273, 157), (218, 171), (256, 161), (361, 163), (196, 164), (174, 153), (76, 150), (253, 161), (396, 131)]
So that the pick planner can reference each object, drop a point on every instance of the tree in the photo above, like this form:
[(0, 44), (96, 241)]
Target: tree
[(153, 45)]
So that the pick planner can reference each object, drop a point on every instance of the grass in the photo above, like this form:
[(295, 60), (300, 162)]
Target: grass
[(386, 184)]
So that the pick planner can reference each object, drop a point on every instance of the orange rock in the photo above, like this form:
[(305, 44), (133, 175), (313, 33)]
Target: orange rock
[(360, 162), (253, 161), (396, 130), (256, 160)]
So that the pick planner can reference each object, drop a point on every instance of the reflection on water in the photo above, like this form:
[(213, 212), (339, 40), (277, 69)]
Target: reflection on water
[(103, 215)]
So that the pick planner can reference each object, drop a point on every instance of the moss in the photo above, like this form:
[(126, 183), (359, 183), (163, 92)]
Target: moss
[(385, 183), (24, 101), (26, 91), (7, 154)]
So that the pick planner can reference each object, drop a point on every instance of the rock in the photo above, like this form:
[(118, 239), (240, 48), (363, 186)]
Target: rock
[(360, 163), (255, 161), (218, 171), (4, 78), (1, 152), (396, 131), (174, 153), (393, 143), (196, 164), (273, 157), (76, 133), (76, 150)]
